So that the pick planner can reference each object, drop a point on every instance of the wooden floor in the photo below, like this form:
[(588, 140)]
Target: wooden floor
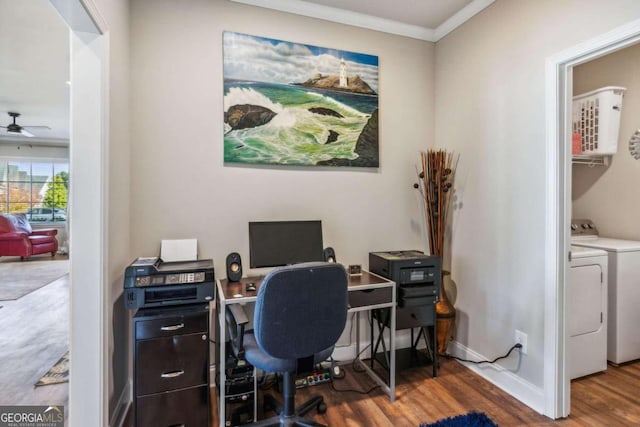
[(606, 399), (34, 334)]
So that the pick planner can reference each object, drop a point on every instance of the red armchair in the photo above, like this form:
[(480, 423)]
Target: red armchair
[(17, 238)]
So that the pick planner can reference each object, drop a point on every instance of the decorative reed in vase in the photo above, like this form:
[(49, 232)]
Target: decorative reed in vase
[(436, 181)]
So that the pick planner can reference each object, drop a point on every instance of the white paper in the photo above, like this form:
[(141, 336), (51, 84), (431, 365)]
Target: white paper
[(179, 250)]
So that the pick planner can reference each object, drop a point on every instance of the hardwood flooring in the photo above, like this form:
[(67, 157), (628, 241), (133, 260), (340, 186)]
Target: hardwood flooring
[(604, 399), (34, 335)]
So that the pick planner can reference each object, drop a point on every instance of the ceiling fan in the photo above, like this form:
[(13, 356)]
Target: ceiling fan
[(16, 129)]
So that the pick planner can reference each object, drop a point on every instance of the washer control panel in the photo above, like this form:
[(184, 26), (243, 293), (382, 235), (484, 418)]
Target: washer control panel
[(583, 227)]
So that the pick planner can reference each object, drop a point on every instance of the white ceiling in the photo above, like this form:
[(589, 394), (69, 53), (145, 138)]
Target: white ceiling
[(421, 19), (34, 48), (34, 69), (423, 13)]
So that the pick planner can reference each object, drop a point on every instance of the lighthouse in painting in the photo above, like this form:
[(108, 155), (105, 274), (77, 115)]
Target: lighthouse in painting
[(343, 73)]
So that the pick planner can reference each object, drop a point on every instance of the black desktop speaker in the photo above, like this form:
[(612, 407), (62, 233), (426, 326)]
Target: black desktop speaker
[(234, 267), (329, 255)]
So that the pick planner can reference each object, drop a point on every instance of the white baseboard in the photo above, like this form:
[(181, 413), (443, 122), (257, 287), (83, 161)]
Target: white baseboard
[(524, 391), (124, 402)]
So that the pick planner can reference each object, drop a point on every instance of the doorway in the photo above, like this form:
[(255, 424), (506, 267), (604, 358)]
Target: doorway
[(34, 179), (559, 93)]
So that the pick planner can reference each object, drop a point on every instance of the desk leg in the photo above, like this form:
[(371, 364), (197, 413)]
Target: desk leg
[(222, 374), (435, 348), (392, 348), (390, 387), (357, 335)]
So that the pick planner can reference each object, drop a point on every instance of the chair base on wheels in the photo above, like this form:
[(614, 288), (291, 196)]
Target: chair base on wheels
[(296, 413)]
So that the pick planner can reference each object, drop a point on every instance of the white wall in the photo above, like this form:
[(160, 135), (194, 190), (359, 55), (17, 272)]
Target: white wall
[(490, 85), (180, 186), (610, 196)]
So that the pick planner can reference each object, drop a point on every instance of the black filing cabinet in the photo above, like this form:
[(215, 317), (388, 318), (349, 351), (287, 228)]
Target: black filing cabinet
[(171, 366)]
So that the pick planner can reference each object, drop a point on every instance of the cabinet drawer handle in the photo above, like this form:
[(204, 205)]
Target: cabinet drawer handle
[(176, 425), (173, 374), (172, 327)]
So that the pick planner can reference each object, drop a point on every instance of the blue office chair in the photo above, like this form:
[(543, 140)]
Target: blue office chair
[(299, 315)]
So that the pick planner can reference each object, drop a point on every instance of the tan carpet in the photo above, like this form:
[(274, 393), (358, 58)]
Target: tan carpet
[(59, 373), (17, 279)]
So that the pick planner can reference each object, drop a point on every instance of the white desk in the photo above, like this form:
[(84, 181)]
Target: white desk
[(366, 292)]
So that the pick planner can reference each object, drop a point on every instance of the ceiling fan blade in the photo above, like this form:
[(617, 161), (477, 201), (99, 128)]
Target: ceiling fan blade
[(37, 127), (26, 133)]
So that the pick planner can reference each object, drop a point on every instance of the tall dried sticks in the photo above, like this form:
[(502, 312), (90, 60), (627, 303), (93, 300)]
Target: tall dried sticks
[(438, 170)]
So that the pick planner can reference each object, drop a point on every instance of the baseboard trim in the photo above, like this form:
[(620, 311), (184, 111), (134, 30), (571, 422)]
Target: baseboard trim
[(119, 414), (508, 381)]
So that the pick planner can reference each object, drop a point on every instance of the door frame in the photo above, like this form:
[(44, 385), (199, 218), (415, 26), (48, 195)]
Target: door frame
[(88, 255), (558, 96)]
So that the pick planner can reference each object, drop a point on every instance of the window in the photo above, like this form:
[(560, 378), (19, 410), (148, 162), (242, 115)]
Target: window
[(38, 189)]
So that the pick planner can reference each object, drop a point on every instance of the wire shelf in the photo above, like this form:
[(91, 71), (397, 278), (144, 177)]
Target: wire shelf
[(591, 160)]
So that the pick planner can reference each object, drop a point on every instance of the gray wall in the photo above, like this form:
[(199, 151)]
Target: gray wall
[(490, 107), (180, 187), (489, 91), (610, 195)]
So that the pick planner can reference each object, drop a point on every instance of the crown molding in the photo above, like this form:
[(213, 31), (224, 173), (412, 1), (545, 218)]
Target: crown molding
[(347, 17), (462, 16)]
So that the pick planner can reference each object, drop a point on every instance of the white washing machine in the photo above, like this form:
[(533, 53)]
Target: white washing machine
[(587, 312), (623, 334)]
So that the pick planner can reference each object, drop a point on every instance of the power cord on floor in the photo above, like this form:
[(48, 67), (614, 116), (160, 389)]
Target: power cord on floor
[(449, 356)]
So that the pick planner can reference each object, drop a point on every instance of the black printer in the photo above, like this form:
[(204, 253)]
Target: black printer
[(417, 275), (150, 282)]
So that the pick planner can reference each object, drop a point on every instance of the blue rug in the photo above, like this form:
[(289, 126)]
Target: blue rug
[(472, 419)]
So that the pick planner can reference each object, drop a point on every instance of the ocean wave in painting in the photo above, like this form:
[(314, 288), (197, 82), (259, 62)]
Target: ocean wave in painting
[(295, 135)]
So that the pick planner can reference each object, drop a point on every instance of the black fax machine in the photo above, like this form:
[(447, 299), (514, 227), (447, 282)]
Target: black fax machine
[(150, 282)]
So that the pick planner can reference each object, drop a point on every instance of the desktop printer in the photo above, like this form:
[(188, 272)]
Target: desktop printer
[(150, 282), (417, 275)]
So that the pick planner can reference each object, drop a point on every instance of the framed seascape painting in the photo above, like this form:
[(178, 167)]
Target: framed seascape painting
[(288, 103)]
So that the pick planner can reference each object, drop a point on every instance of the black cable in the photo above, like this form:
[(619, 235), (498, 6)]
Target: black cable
[(477, 362), (266, 384), (354, 365), (351, 390), (350, 333)]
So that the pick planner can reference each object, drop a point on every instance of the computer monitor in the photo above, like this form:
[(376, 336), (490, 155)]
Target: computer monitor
[(277, 243)]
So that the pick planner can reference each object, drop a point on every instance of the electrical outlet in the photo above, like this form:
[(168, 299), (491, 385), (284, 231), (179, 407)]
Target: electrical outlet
[(521, 338)]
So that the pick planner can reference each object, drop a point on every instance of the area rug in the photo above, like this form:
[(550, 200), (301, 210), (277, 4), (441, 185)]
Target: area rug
[(18, 279), (59, 373), (472, 419)]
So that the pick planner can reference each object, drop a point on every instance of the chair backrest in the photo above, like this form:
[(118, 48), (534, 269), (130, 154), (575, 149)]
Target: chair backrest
[(301, 309)]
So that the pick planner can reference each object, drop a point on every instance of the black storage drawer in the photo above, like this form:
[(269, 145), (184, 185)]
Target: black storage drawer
[(414, 317), (370, 297), (170, 326), (188, 407), (171, 362)]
